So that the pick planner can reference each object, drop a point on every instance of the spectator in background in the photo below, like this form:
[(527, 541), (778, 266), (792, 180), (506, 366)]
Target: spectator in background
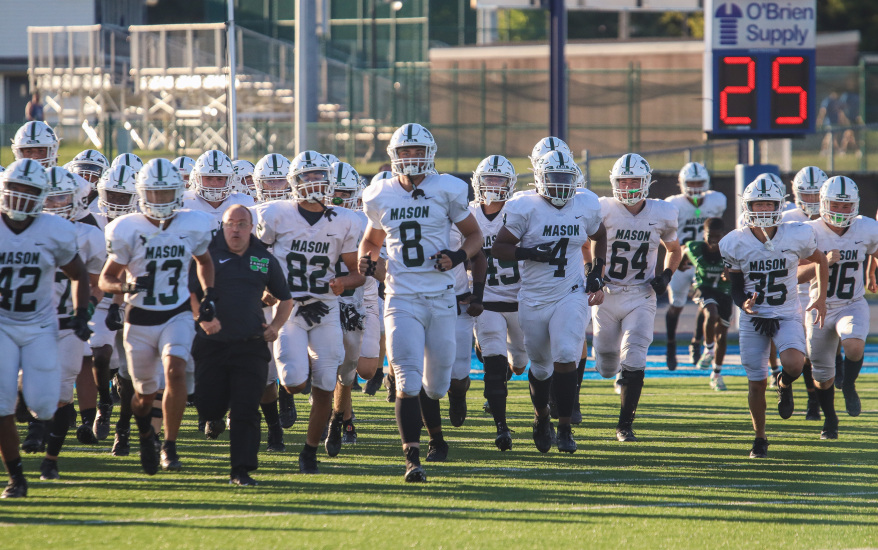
[(34, 108), (828, 116), (849, 115)]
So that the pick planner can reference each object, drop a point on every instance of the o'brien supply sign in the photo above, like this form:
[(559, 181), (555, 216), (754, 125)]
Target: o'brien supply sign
[(770, 25)]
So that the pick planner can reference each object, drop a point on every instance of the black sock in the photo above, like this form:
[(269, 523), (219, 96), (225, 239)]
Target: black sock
[(14, 467), (671, 322), (839, 368), (565, 392), (431, 412), (144, 424), (101, 370), (699, 326), (787, 379), (632, 384), (88, 415), (309, 449), (580, 372), (408, 419), (59, 425), (851, 372), (539, 392), (496, 367), (269, 412), (827, 402), (808, 376)]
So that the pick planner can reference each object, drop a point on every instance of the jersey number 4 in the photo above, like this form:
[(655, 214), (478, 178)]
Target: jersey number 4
[(32, 274)]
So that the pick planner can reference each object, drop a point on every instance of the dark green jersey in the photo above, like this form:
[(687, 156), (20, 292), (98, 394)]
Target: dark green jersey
[(708, 267)]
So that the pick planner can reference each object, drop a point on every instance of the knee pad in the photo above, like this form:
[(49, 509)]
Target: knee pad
[(607, 363), (631, 377)]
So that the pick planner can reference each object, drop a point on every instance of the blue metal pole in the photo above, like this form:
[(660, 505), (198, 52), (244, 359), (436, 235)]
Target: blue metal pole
[(557, 76)]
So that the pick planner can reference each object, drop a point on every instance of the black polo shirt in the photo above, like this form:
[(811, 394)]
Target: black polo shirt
[(239, 282)]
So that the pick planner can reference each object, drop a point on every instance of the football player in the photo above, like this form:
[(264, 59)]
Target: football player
[(806, 192), (548, 230), (636, 227), (310, 239), (128, 159), (244, 177), (414, 211), (270, 178), (62, 199), (851, 240), (36, 246), (695, 204), (211, 179), (712, 297), (498, 331), (90, 166), (37, 141), (762, 259), (155, 248), (184, 165)]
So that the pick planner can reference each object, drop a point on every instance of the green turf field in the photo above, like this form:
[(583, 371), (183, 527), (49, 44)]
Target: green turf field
[(687, 484)]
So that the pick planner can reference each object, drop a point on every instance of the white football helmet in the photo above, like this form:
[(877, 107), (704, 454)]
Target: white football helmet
[(23, 189), (775, 179), (759, 190), (548, 145), (270, 178), (556, 178), (631, 166), (839, 189), (215, 164), (89, 164), (117, 191), (694, 179), (128, 159), (330, 158), (309, 177), (64, 195), (494, 180), (244, 177), (806, 185), (35, 135), (344, 178), (184, 165), (385, 175), (412, 135), (159, 189)]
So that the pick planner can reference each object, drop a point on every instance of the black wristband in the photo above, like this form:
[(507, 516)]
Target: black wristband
[(522, 253), (599, 264), (478, 292), (457, 257), (667, 274), (81, 312), (210, 294)]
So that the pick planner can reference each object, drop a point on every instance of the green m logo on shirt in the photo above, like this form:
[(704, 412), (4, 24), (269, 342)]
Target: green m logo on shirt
[(259, 264)]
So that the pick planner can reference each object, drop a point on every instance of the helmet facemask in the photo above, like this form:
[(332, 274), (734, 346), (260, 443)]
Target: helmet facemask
[(212, 187), (115, 203), (61, 203), (493, 188), (21, 200), (630, 190), (159, 202), (414, 165), (312, 186), (767, 218)]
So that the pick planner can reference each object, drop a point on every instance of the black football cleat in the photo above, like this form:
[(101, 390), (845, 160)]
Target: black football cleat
[(672, 355), (16, 488), (503, 441), (49, 470), (275, 443), (350, 433), (149, 452), (694, 351), (390, 384), (169, 457), (308, 463), (214, 428), (576, 415), (241, 478), (625, 434), (566, 444), (286, 410), (437, 451), (121, 444), (487, 408), (333, 436), (760, 448), (85, 435), (785, 404), (373, 384), (851, 400), (35, 440), (101, 427), (414, 473), (543, 432), (830, 429), (813, 410), (457, 409)]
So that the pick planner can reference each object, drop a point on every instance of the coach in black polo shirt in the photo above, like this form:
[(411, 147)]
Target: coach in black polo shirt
[(231, 365)]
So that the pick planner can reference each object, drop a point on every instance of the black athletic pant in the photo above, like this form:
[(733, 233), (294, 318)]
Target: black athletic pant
[(232, 375)]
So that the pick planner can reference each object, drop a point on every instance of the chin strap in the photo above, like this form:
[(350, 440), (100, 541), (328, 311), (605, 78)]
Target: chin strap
[(767, 244)]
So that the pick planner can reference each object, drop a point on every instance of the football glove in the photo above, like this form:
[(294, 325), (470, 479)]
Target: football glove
[(207, 308), (765, 327), (140, 284), (660, 283), (457, 257), (313, 312), (372, 266), (115, 319), (594, 277), (351, 319), (79, 324), (541, 253)]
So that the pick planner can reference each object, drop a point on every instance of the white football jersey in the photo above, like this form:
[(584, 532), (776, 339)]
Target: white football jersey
[(370, 287), (307, 253), (534, 221), (854, 245), (28, 261), (166, 254), (770, 273), (461, 276), (201, 205), (691, 218), (633, 240), (504, 278), (93, 252), (93, 208), (416, 230)]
